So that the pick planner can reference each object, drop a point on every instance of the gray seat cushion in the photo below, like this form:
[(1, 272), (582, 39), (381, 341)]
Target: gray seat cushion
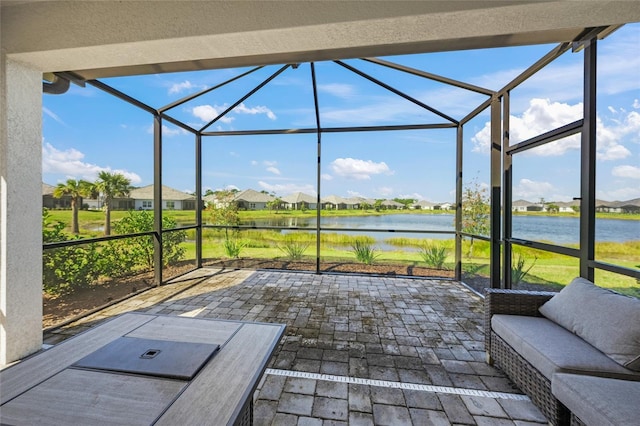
[(552, 349), (599, 401)]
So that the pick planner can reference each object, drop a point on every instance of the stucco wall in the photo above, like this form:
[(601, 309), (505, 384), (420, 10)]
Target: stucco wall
[(20, 211)]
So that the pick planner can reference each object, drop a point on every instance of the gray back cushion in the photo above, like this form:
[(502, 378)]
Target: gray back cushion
[(605, 319)]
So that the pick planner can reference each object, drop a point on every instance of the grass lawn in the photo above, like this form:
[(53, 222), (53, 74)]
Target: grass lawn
[(92, 221)]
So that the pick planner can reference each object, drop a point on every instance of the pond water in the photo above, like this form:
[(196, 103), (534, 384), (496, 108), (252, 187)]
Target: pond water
[(554, 229)]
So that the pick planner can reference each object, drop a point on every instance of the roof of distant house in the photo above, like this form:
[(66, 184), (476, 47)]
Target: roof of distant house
[(299, 197), (333, 199), (253, 196), (168, 193), (47, 189), (635, 203), (523, 203)]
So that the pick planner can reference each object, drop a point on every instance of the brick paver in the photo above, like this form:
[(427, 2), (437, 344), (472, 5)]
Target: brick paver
[(422, 331)]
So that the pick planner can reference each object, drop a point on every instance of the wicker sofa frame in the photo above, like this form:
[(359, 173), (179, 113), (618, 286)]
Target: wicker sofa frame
[(517, 368)]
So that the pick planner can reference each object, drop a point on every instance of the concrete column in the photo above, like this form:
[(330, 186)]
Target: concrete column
[(20, 210)]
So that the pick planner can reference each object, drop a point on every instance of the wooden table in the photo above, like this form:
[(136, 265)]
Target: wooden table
[(48, 388)]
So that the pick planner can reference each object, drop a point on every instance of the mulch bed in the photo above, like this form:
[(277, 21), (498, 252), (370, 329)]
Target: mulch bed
[(343, 267)]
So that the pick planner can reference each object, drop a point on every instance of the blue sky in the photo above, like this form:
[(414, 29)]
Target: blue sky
[(87, 131)]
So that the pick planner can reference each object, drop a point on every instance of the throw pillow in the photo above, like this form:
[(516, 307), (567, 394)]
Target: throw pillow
[(607, 320)]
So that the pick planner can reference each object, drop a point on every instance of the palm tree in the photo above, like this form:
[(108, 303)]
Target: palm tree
[(76, 189), (111, 185), (274, 204)]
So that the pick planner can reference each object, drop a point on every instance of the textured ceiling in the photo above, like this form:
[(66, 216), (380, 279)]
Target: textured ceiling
[(107, 38)]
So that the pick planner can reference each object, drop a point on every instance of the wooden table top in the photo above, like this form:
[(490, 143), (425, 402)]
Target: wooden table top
[(47, 389)]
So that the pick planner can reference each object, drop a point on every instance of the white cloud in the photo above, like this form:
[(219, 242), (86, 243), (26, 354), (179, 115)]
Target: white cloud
[(288, 188), (608, 137), (613, 152), (540, 117), (270, 166), (543, 116), (636, 103), (326, 176), (388, 109), (358, 169), (69, 163), (50, 153), (532, 191), (560, 82), (227, 188), (452, 101), (618, 65), (414, 196), (261, 109), (206, 113), (496, 80), (619, 194), (168, 131), (338, 89), (273, 170), (626, 171), (183, 86), (385, 191), (53, 115), (377, 111)]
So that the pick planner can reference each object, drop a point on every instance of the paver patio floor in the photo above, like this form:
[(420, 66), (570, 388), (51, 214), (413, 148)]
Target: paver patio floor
[(357, 350)]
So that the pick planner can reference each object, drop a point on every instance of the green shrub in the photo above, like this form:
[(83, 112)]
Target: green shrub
[(233, 246), (293, 249), (364, 252), (335, 239), (68, 268), (434, 255), (138, 251), (519, 269), (65, 269)]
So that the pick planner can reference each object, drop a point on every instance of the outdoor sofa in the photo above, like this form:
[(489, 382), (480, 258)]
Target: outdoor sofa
[(575, 353)]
